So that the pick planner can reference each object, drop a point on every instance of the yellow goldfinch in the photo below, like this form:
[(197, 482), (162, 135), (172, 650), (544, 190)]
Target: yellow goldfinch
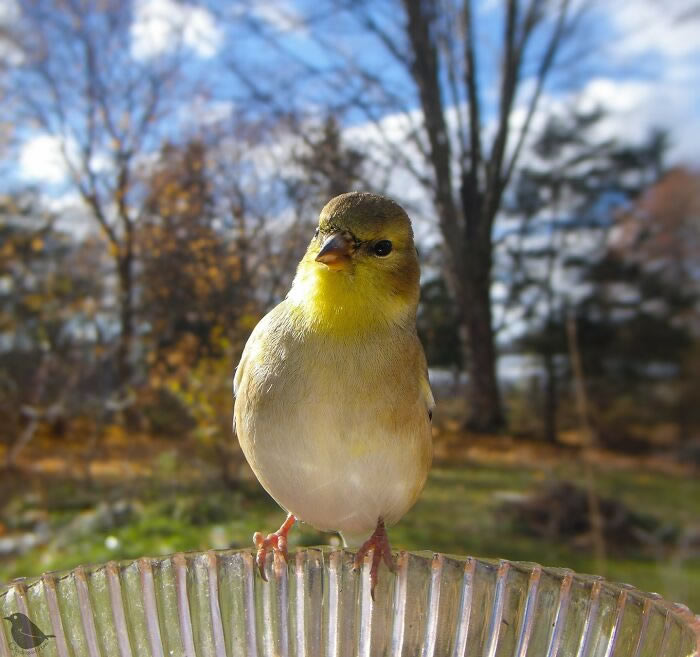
[(332, 402)]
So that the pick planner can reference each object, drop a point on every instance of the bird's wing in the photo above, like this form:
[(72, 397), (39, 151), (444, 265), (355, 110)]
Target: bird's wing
[(251, 347), (237, 375), (427, 392), (425, 387)]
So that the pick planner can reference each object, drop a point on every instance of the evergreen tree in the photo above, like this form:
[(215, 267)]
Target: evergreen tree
[(330, 167), (438, 325), (564, 206)]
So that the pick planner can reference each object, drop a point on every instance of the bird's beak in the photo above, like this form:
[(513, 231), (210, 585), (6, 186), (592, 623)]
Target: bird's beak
[(336, 251), (8, 618)]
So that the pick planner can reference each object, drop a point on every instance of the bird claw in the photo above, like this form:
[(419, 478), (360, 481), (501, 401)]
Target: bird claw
[(264, 543), (277, 541), (379, 545)]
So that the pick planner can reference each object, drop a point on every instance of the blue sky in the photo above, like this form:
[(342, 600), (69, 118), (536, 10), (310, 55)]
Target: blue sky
[(640, 59)]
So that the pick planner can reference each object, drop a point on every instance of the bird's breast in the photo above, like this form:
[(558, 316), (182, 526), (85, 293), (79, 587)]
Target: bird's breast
[(337, 432)]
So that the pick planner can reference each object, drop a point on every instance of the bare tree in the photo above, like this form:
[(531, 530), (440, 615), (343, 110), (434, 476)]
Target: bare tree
[(431, 70), (81, 83)]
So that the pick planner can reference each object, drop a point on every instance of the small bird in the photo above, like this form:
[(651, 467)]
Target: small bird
[(25, 633), (333, 406)]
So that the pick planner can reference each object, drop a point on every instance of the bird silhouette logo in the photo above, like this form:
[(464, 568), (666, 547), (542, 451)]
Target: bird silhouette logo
[(25, 633)]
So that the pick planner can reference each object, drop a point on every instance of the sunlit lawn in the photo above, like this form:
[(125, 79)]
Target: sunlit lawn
[(460, 512)]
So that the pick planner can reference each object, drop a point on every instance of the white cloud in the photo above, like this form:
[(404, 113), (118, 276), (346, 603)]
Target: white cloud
[(73, 215), (9, 12), (159, 26), (42, 159), (636, 106), (392, 152), (202, 112), (665, 28), (281, 16)]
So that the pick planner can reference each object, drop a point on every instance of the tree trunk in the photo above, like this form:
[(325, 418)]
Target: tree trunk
[(467, 231), (126, 316), (474, 299), (550, 397), (485, 414)]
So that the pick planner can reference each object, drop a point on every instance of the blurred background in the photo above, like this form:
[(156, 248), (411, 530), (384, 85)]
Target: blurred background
[(163, 164)]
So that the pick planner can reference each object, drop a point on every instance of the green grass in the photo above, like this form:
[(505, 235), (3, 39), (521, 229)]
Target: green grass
[(460, 512)]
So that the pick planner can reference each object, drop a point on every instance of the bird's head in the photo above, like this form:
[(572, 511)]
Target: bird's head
[(361, 262), (12, 617), (367, 231)]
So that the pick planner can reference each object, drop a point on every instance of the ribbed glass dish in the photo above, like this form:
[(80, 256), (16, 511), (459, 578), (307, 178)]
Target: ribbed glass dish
[(215, 604)]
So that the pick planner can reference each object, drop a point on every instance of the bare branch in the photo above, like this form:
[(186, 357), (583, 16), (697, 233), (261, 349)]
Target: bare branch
[(368, 22), (471, 75), (449, 48), (424, 68), (542, 73), (510, 74)]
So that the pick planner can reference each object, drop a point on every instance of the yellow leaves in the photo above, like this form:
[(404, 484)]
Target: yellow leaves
[(214, 274), (120, 194), (115, 434), (205, 390), (175, 358), (8, 250), (248, 321), (37, 244), (34, 301)]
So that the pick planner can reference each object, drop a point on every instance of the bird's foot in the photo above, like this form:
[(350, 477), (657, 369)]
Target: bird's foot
[(277, 541), (378, 543)]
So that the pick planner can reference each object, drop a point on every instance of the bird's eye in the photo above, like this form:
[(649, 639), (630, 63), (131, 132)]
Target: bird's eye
[(382, 248)]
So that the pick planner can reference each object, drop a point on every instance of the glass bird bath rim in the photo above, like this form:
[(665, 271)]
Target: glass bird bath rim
[(323, 576), (328, 552)]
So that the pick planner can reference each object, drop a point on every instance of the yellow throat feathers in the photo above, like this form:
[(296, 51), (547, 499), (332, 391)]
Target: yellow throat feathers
[(349, 303)]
